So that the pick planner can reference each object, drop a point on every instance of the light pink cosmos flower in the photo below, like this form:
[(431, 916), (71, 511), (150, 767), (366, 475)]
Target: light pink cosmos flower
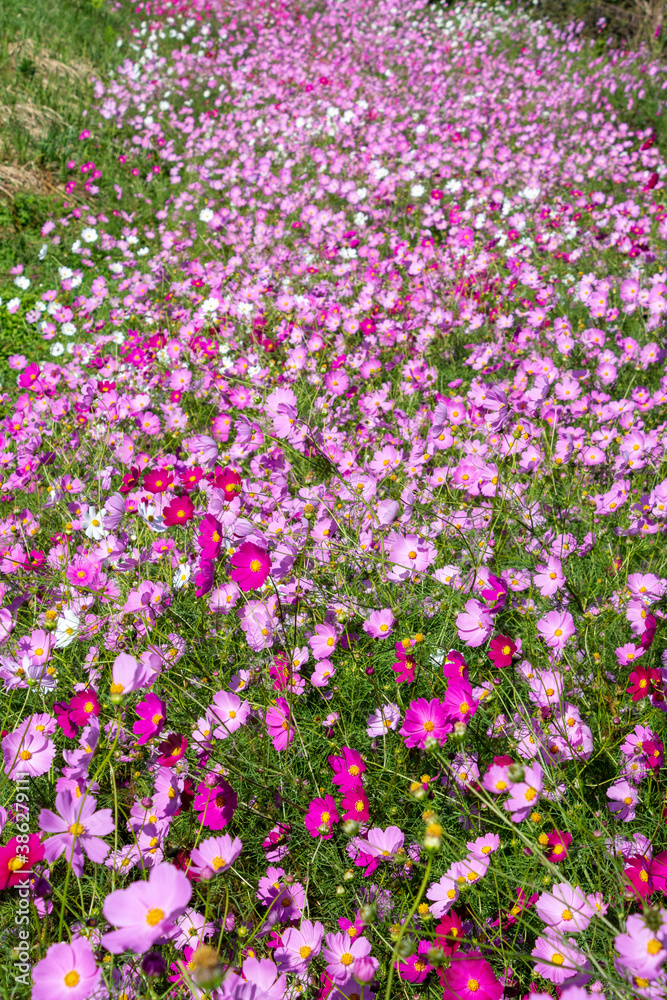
[(443, 894), (564, 908), (381, 843), (628, 653), (260, 981), (130, 674), (215, 855), (550, 577), (642, 953), (27, 753), (78, 828), (475, 624), (67, 972), (323, 642), (557, 958), (146, 910), (230, 711), (340, 953), (383, 719), (482, 846), (300, 945), (556, 628), (524, 794), (624, 798), (380, 624)]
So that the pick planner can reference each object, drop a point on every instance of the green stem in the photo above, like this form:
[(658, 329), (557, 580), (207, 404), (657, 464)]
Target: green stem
[(404, 926)]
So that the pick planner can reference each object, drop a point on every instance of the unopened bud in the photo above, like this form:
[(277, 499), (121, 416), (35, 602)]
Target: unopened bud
[(417, 791), (368, 912), (406, 947), (460, 730), (351, 828), (431, 744), (205, 968), (323, 829), (516, 773), (653, 918), (349, 874), (438, 958), (364, 968)]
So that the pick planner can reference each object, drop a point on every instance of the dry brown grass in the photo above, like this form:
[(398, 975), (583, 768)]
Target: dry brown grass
[(46, 65)]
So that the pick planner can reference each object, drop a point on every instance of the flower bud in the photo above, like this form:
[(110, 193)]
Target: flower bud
[(406, 947), (417, 791), (205, 968), (460, 730), (351, 828), (438, 958), (323, 829), (516, 773), (153, 964), (364, 968), (431, 744), (368, 912)]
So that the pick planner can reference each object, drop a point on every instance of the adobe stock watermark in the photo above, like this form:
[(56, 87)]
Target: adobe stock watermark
[(22, 954)]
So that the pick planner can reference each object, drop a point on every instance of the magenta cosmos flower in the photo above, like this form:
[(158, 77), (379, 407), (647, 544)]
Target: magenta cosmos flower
[(501, 650), (251, 566), (16, 860), (67, 972), (425, 719), (158, 481), (380, 624), (279, 725), (27, 754), (556, 628), (179, 511), (78, 828), (347, 769), (146, 911), (470, 978), (214, 855), (321, 813), (215, 802), (152, 714), (475, 624)]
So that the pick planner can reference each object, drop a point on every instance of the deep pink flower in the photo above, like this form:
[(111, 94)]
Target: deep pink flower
[(171, 750), (459, 704), (347, 769), (179, 511), (152, 714), (321, 813), (209, 538), (278, 722), (416, 968), (17, 859), (158, 481), (642, 681), (82, 706), (501, 650), (470, 977), (355, 804), (449, 933), (215, 802), (404, 666), (251, 566), (425, 719), (559, 842)]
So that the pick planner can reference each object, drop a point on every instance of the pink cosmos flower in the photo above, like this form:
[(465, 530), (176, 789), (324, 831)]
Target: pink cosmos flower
[(260, 981), (564, 909), (379, 843), (459, 704), (321, 813), (355, 804), (443, 894), (624, 798), (82, 706), (171, 750), (556, 628), (340, 953), (323, 642), (17, 859), (129, 674), (415, 969), (347, 769), (628, 653), (470, 978), (382, 720), (158, 481), (214, 855), (67, 972), (475, 624), (550, 577), (215, 802), (152, 714), (300, 945), (641, 951), (179, 511), (557, 958), (27, 753), (78, 829), (230, 711), (425, 719), (524, 794), (380, 624), (501, 650), (278, 722), (146, 911), (251, 566)]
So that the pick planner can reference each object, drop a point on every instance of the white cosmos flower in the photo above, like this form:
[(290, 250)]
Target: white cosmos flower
[(67, 628), (93, 524)]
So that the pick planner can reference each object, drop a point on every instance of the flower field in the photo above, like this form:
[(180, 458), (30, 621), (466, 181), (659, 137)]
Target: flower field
[(333, 512)]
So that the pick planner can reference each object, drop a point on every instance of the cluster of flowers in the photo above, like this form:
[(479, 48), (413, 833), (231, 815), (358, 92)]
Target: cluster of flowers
[(347, 475)]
